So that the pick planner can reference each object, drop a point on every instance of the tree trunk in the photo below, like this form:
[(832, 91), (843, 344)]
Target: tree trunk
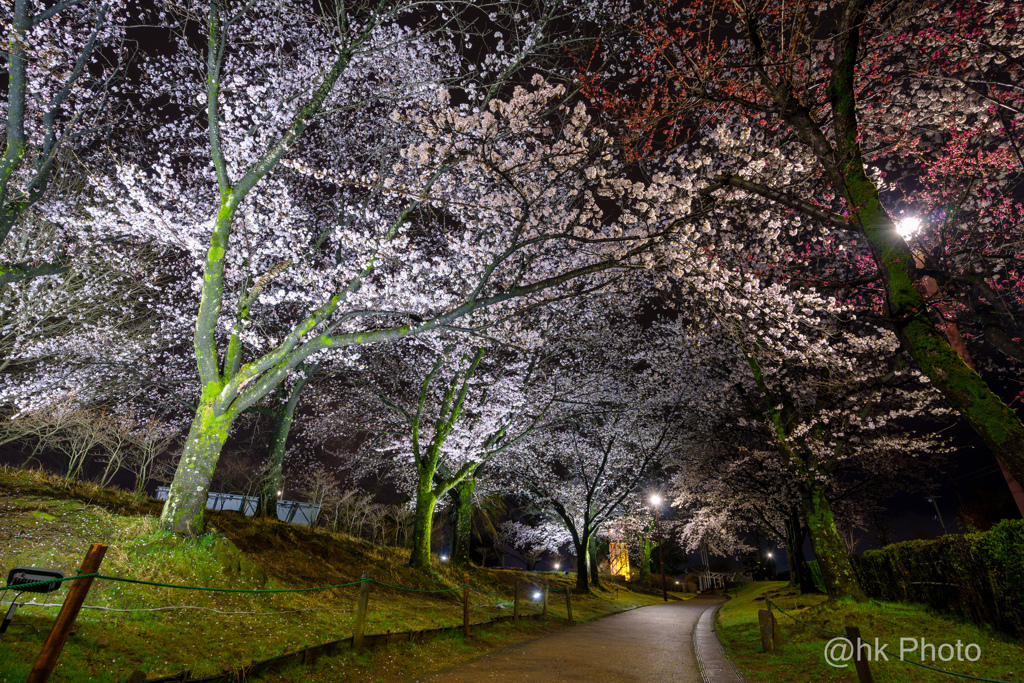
[(266, 507), (905, 307), (800, 573), (184, 510), (581, 564), (595, 575), (462, 496), (840, 581), (645, 565), (425, 503), (278, 445)]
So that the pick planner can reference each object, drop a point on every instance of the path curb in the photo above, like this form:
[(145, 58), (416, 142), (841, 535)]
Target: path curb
[(715, 665)]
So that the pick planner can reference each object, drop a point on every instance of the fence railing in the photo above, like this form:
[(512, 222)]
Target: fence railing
[(857, 646), (81, 583), (291, 511)]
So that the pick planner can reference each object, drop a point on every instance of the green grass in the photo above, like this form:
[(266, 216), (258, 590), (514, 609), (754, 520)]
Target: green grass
[(801, 658), (44, 523)]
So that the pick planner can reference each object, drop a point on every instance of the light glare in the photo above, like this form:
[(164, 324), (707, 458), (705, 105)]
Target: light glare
[(908, 226)]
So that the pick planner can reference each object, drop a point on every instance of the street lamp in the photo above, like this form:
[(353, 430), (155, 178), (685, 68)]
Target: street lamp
[(656, 502), (908, 226)]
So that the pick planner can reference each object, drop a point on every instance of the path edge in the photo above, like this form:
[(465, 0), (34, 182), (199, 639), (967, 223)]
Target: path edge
[(714, 663)]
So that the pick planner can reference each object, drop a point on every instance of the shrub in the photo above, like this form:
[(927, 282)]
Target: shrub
[(977, 576)]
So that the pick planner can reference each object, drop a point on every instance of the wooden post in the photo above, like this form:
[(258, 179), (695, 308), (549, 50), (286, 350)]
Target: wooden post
[(66, 617), (545, 598), (465, 605), (859, 661), (360, 625), (568, 603), (515, 604)]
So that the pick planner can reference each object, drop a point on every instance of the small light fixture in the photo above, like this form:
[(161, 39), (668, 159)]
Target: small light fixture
[(557, 565), (22, 575), (655, 500), (279, 494), (536, 596), (769, 556), (444, 558)]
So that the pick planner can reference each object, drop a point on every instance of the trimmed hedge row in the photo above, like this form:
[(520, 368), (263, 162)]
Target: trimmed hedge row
[(977, 576)]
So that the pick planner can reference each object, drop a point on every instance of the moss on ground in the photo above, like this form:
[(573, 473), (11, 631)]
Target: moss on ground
[(48, 524), (801, 658)]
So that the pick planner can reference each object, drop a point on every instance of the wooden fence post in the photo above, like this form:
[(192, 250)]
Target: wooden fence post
[(860, 662), (360, 625), (465, 605), (545, 598), (515, 604), (66, 617), (568, 603)]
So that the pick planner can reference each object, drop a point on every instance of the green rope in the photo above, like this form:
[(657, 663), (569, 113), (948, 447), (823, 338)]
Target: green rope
[(952, 673), (416, 590), (906, 661), (23, 586), (823, 630), (229, 590)]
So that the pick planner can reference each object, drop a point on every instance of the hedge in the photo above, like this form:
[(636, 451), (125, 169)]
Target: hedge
[(977, 576)]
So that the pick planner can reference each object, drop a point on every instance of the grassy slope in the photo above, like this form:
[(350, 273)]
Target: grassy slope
[(801, 658), (46, 525)]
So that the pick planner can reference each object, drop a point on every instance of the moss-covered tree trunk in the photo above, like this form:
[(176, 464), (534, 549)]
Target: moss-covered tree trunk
[(840, 581), (426, 501), (287, 400), (645, 565), (184, 510), (462, 497)]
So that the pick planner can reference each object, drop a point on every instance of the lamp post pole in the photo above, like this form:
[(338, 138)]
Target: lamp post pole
[(656, 502)]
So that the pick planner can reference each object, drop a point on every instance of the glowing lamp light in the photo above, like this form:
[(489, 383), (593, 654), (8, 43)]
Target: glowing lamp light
[(279, 493), (536, 596), (655, 500), (908, 226), (556, 565), (769, 556), (444, 558)]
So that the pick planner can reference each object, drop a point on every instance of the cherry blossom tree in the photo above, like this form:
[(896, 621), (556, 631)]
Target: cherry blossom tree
[(534, 542), (63, 65), (804, 107), (827, 392), (339, 253)]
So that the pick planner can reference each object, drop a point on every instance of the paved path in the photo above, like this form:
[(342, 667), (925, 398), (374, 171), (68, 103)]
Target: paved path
[(650, 644)]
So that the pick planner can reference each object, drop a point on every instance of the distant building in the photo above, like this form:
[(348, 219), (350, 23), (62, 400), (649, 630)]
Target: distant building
[(618, 558)]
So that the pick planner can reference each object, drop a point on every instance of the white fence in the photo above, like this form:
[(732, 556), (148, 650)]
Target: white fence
[(292, 511)]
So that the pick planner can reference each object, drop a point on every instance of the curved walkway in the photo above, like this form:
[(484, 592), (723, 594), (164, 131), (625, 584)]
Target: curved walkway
[(652, 643)]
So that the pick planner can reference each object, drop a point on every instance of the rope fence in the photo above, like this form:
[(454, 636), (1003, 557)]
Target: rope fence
[(82, 581), (900, 658)]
